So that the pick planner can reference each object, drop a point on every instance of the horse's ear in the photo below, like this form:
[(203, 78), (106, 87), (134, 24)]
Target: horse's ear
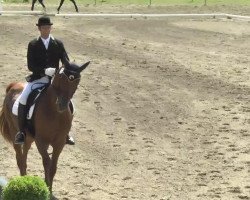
[(84, 66)]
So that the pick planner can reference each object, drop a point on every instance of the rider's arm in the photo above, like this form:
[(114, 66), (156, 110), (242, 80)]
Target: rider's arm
[(63, 53), (31, 57), (34, 64)]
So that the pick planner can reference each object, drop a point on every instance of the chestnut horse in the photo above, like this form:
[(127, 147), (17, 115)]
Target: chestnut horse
[(52, 119)]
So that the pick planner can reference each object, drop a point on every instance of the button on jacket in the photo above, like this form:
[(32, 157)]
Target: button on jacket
[(40, 58)]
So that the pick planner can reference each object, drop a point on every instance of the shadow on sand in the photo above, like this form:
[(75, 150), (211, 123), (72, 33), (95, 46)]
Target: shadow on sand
[(52, 197)]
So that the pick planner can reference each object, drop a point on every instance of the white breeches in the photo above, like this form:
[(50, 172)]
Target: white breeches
[(31, 86)]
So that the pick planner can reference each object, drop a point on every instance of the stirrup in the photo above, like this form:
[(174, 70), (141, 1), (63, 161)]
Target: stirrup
[(19, 138)]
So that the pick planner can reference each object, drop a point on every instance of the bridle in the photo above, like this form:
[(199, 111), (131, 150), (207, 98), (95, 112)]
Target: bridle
[(70, 76)]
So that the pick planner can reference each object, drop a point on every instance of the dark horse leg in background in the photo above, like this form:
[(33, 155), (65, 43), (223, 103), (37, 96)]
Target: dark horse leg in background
[(40, 1), (73, 1), (61, 3), (33, 3)]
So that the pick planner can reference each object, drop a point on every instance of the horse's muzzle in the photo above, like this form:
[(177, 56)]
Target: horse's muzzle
[(62, 103)]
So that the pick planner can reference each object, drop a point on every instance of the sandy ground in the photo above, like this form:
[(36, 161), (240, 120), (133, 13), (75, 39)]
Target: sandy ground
[(163, 111)]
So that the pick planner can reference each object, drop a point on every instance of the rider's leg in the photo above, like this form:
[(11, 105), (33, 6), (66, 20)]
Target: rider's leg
[(22, 113), (22, 110)]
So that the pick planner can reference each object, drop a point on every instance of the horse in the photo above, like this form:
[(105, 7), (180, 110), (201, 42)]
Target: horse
[(61, 3), (40, 1), (52, 119)]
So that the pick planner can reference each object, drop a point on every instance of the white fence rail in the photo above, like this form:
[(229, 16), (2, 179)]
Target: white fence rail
[(121, 15)]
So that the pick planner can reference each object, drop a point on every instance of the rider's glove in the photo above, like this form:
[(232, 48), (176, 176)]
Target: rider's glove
[(50, 71)]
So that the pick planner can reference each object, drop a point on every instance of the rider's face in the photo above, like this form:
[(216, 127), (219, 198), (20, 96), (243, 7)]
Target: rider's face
[(45, 31)]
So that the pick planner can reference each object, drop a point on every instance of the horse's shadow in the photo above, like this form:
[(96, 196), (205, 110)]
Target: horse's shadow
[(52, 197)]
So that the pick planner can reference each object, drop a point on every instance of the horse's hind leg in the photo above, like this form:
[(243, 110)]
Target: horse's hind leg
[(41, 2), (19, 159), (21, 156), (33, 3), (59, 7), (73, 1)]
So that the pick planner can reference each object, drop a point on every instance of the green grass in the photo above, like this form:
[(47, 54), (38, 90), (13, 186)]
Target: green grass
[(147, 2)]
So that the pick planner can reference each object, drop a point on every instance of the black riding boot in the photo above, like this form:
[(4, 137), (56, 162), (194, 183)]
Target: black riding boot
[(20, 136)]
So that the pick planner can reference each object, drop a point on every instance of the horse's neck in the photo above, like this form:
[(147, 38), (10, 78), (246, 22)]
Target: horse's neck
[(50, 98)]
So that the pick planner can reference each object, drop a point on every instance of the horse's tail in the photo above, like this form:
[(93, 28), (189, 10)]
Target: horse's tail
[(4, 126)]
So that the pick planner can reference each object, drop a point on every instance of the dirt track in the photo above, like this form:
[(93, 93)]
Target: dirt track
[(163, 112)]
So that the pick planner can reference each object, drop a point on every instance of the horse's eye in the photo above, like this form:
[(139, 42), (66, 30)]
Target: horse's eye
[(71, 77)]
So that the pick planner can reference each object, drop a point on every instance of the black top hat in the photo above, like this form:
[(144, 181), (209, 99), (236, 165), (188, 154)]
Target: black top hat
[(44, 20)]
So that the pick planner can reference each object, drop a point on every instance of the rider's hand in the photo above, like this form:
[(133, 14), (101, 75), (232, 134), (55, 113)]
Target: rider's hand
[(50, 71)]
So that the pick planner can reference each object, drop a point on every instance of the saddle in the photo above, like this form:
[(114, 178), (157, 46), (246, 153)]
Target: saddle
[(32, 99)]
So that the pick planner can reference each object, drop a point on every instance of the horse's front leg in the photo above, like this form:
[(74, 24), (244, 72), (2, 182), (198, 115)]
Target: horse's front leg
[(43, 150), (57, 149)]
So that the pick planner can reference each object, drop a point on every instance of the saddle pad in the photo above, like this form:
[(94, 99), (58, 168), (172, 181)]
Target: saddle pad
[(15, 109), (31, 110)]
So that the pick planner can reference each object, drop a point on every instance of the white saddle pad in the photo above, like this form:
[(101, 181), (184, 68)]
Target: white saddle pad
[(15, 109), (31, 110)]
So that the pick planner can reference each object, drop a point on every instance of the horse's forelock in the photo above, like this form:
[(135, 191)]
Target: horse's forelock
[(72, 67)]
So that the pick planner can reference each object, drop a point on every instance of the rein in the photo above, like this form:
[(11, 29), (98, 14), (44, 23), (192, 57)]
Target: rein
[(70, 79)]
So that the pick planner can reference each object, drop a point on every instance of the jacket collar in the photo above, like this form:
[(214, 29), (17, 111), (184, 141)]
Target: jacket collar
[(51, 37)]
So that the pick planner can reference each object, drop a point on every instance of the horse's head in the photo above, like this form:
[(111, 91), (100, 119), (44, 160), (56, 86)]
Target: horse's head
[(65, 83)]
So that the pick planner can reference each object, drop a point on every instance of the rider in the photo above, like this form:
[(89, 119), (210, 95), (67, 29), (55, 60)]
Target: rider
[(43, 56)]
